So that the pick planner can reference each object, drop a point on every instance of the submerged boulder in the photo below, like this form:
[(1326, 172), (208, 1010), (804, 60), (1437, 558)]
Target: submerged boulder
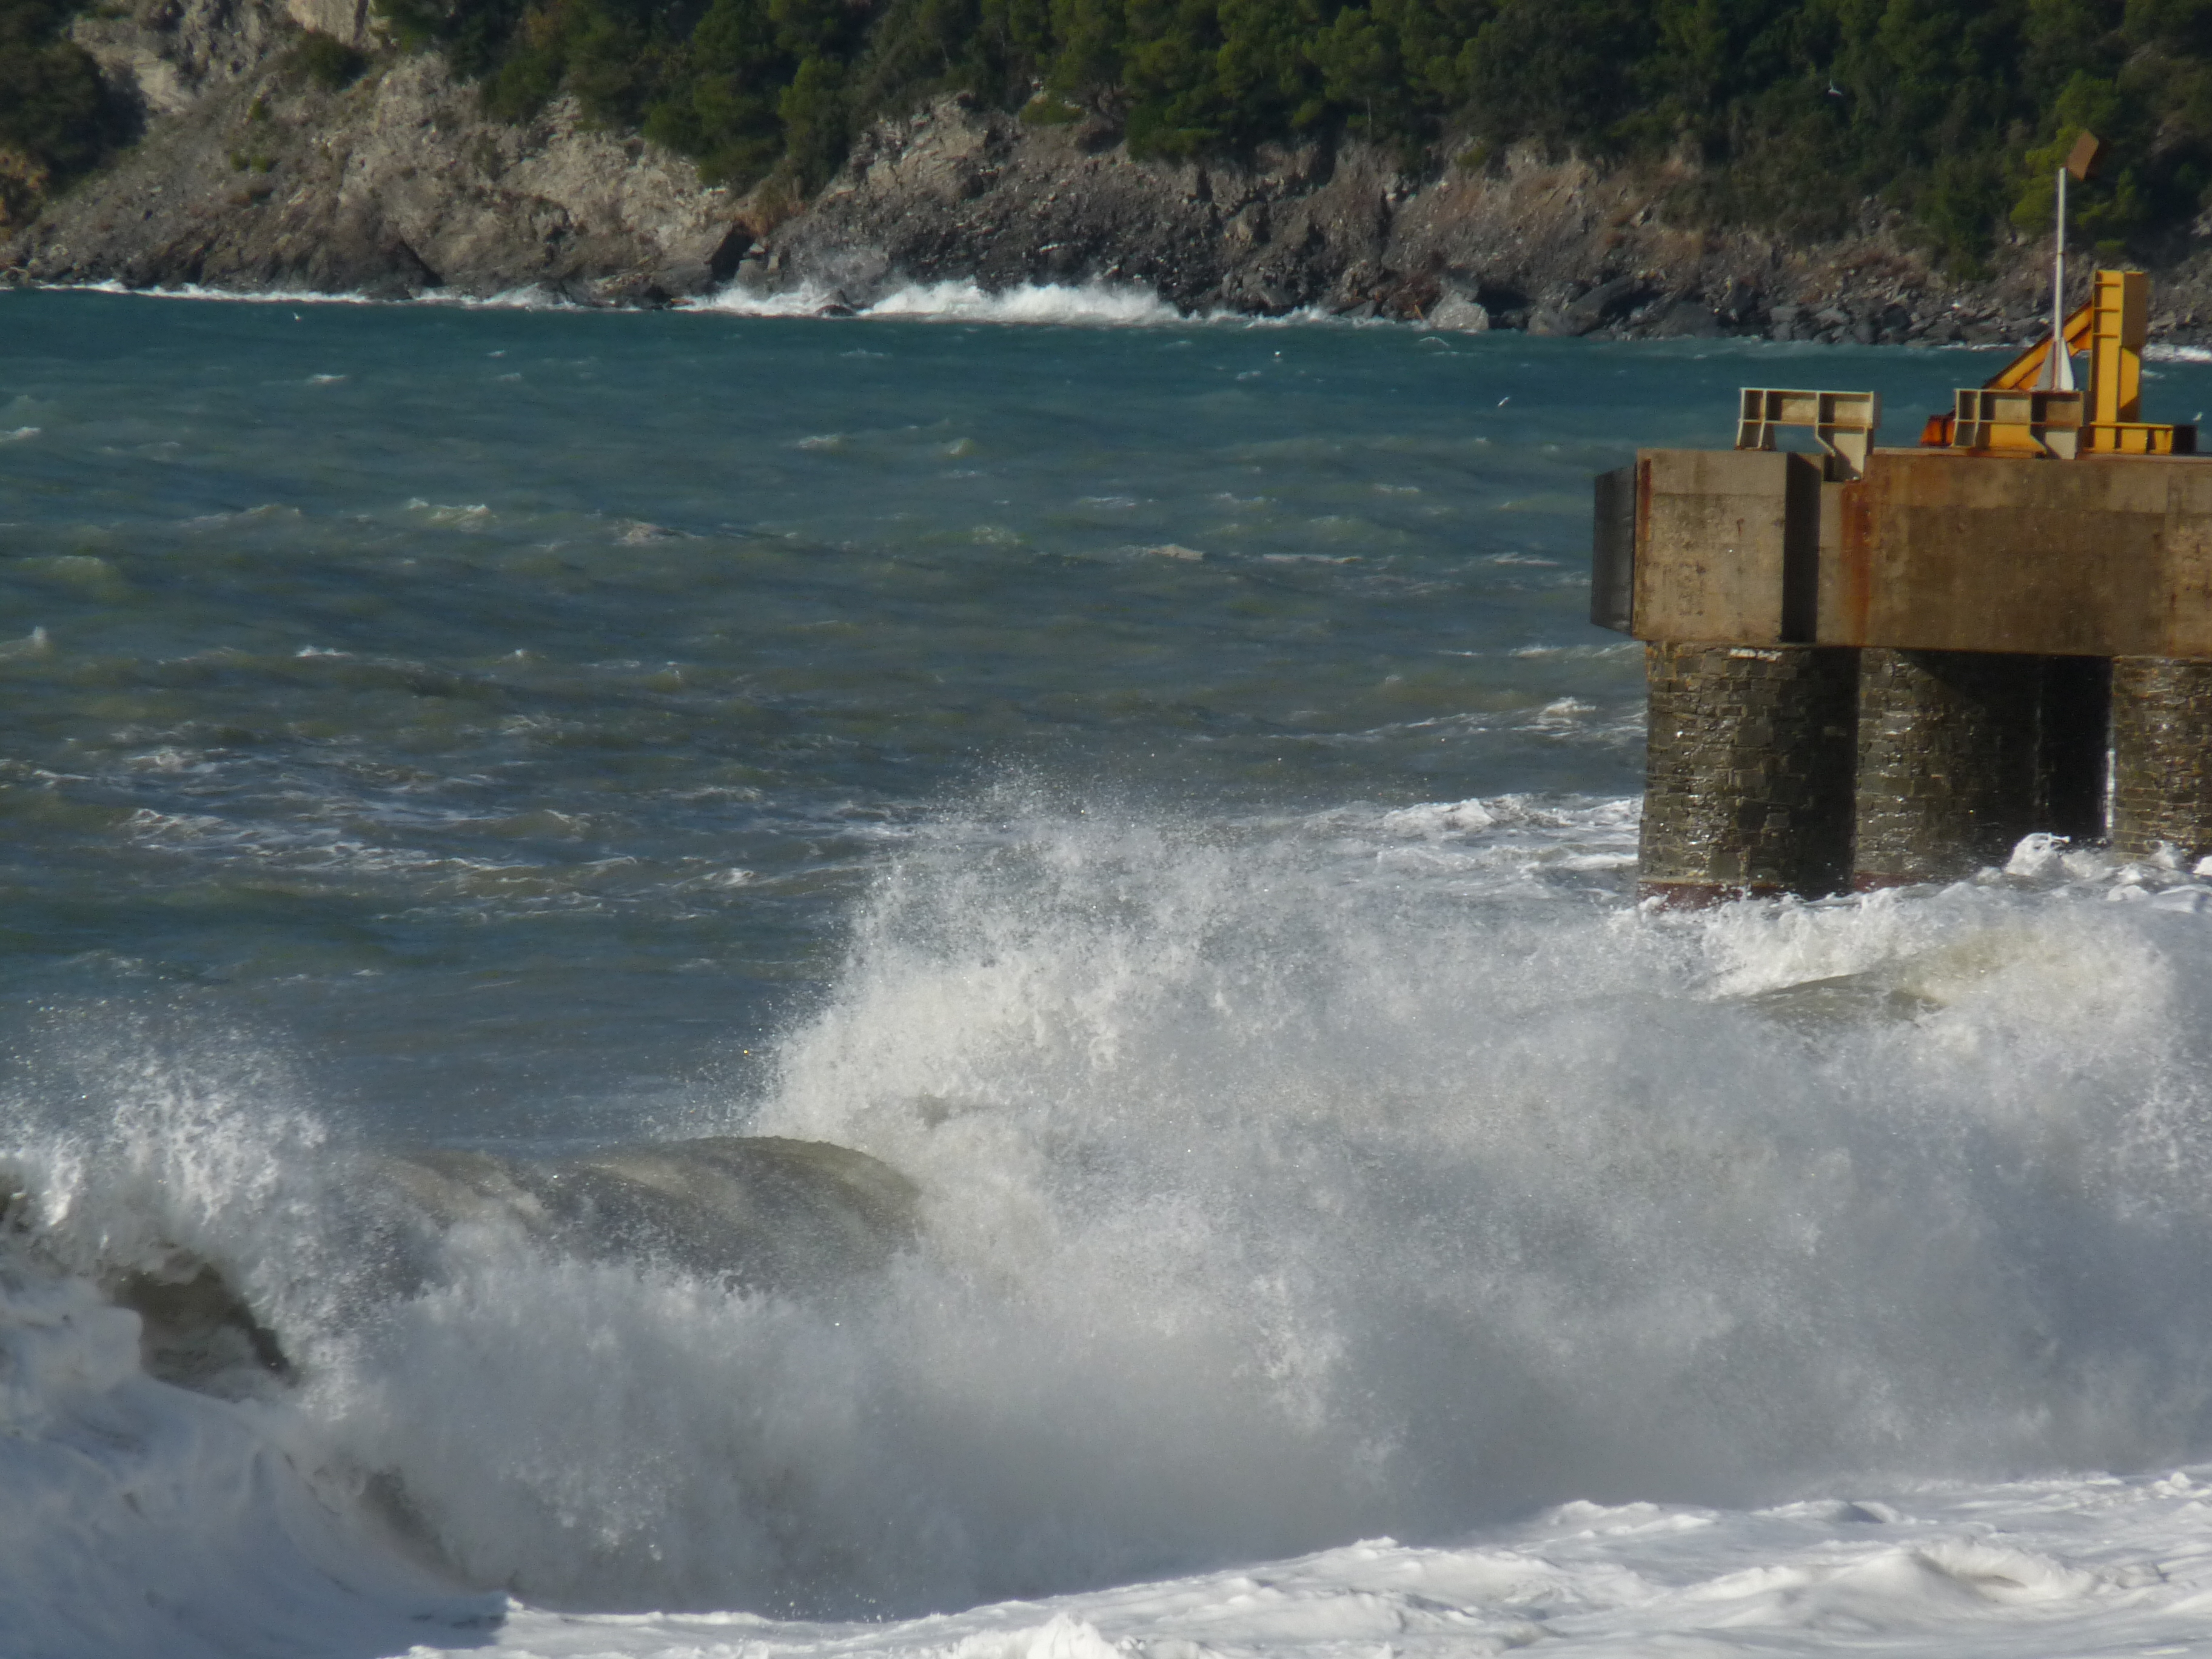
[(757, 1213), (195, 1331)]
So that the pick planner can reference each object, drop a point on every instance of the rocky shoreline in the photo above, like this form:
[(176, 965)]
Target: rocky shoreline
[(252, 176)]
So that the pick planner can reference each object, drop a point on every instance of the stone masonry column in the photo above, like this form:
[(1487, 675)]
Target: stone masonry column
[(2161, 756), (1950, 762), (1748, 770)]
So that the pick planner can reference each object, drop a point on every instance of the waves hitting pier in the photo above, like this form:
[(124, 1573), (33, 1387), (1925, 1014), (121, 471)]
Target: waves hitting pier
[(1869, 666)]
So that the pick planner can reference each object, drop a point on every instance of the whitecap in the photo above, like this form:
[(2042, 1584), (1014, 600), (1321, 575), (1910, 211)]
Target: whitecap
[(1097, 303), (478, 513)]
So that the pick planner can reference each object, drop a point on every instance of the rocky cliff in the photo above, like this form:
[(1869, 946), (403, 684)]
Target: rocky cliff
[(253, 173)]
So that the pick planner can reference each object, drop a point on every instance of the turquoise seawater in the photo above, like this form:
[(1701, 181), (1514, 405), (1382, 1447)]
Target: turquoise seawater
[(1156, 788), (507, 706)]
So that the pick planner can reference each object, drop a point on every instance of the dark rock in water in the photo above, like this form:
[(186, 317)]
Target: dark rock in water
[(1686, 319), (755, 1212), (760, 1211), (1843, 1000), (197, 1332)]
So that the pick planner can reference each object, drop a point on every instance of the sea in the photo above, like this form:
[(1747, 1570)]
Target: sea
[(1148, 782)]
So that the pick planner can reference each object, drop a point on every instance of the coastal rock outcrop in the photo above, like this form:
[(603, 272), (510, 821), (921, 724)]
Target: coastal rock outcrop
[(255, 174)]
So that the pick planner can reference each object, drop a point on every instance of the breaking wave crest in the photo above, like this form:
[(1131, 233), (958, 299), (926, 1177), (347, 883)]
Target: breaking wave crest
[(1095, 303), (1281, 1186)]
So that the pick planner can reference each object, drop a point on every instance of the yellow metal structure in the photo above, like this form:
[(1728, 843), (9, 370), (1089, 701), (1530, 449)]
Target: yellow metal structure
[(2006, 416), (1843, 423), (2026, 369), (2017, 422), (2122, 304)]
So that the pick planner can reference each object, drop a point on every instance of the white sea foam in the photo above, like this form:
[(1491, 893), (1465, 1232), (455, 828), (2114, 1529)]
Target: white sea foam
[(471, 517), (1093, 303), (526, 298), (284, 296), (2059, 1569), (1381, 1173), (1088, 304)]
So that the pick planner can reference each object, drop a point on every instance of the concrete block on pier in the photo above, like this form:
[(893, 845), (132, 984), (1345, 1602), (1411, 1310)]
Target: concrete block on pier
[(1726, 546), (2102, 557), (1932, 549)]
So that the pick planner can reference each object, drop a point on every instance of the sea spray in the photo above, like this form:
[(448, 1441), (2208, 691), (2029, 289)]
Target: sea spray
[(1274, 1196), (1092, 304), (1523, 1200), (143, 1518)]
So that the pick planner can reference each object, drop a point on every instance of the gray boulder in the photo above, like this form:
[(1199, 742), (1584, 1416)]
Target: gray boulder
[(757, 1213)]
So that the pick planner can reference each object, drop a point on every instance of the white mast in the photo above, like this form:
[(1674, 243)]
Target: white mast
[(2058, 367)]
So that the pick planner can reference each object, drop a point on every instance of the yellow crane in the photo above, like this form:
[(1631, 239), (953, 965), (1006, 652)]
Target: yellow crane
[(2014, 412)]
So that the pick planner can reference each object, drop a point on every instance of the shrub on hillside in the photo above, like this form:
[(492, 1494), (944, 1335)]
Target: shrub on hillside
[(56, 117), (328, 61)]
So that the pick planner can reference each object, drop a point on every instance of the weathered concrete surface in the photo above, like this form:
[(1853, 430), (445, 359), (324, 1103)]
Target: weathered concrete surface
[(2161, 757), (1929, 552), (1748, 770), (1949, 764), (2099, 556), (1727, 546)]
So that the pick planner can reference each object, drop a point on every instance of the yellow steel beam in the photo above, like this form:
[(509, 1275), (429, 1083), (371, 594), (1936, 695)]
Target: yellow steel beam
[(2121, 305), (2023, 371)]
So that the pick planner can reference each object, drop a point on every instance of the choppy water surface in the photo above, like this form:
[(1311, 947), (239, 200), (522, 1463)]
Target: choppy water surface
[(1154, 788), (440, 683)]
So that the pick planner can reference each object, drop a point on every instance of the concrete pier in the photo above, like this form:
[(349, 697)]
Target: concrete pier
[(1877, 665), (1748, 768), (2162, 755)]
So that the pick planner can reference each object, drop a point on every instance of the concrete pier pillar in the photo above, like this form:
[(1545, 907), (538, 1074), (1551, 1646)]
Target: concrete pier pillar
[(1950, 762), (2161, 756), (1748, 770)]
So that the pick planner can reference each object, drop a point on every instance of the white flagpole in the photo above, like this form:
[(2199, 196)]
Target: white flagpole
[(2058, 369)]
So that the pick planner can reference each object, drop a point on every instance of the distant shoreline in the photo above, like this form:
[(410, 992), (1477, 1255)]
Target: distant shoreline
[(250, 178)]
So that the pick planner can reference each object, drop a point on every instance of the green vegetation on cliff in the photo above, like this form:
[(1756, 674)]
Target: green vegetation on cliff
[(1952, 111), (55, 115)]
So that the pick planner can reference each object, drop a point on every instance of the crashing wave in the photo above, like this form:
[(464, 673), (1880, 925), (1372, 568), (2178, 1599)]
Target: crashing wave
[(764, 1213)]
